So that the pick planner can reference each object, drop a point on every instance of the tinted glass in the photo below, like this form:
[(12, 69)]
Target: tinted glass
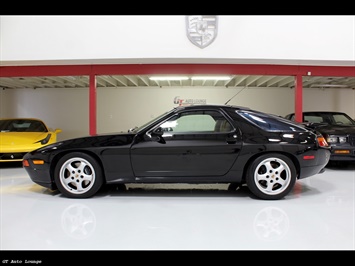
[(328, 118), (341, 119), (22, 125), (197, 121), (270, 122)]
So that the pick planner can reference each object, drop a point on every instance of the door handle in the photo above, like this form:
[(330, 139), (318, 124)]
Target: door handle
[(232, 139)]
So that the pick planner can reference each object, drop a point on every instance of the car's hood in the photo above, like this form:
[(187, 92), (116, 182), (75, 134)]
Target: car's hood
[(102, 140), (21, 138), (338, 129)]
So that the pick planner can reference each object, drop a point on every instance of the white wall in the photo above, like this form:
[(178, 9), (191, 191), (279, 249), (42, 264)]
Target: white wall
[(36, 40), (323, 40), (67, 109), (330, 100), (119, 109)]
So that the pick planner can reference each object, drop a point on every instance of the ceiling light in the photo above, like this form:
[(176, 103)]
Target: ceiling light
[(211, 78), (169, 78), (329, 86), (193, 78)]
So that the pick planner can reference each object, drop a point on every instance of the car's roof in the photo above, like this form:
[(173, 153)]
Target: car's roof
[(319, 112), (323, 112), (198, 106)]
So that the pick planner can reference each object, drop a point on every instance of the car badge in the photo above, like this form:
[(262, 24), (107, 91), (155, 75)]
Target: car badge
[(201, 30)]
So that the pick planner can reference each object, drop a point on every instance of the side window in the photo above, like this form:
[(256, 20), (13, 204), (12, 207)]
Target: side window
[(197, 121), (269, 122), (222, 125)]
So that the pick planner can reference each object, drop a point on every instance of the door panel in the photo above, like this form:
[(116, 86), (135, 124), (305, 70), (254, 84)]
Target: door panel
[(187, 149)]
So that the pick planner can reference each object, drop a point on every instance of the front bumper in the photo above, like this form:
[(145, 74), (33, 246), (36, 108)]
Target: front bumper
[(12, 157), (40, 174), (340, 154)]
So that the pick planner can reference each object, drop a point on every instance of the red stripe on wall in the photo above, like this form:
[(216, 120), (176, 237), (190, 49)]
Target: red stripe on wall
[(298, 98), (146, 69)]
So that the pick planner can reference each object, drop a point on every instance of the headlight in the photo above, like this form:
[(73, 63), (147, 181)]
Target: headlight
[(335, 139), (45, 140), (332, 139), (342, 139)]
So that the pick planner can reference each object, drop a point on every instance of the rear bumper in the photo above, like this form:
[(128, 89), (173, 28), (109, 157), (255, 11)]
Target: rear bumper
[(316, 166)]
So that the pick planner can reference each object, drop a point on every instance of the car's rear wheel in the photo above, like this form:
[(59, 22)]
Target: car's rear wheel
[(271, 176), (78, 175)]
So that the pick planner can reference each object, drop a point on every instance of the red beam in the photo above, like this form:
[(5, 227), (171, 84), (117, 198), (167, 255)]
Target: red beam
[(151, 69), (298, 98), (92, 105), (33, 71)]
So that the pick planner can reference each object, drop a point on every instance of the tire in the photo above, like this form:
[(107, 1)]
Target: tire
[(78, 175), (271, 176)]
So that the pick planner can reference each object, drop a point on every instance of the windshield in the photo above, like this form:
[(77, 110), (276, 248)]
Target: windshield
[(21, 125), (329, 118)]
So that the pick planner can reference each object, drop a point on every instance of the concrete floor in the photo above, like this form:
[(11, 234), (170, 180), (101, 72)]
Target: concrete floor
[(319, 214)]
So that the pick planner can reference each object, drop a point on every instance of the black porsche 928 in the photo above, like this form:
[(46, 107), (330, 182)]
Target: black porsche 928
[(189, 144)]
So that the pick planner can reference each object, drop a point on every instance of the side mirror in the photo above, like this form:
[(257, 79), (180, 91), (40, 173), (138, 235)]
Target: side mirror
[(158, 132), (157, 135), (58, 130)]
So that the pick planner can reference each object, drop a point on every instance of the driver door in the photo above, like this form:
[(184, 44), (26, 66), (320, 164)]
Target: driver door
[(188, 144)]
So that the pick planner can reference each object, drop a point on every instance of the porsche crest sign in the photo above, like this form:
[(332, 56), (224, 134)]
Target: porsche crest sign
[(201, 30)]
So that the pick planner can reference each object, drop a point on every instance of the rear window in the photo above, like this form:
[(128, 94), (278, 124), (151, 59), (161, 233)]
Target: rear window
[(270, 122)]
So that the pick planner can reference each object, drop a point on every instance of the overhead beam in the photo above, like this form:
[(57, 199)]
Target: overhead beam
[(152, 69)]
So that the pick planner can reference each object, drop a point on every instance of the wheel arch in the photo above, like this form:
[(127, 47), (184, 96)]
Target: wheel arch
[(252, 158), (57, 157)]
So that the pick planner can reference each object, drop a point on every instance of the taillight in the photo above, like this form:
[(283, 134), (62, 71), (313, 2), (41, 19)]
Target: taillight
[(322, 142), (308, 157)]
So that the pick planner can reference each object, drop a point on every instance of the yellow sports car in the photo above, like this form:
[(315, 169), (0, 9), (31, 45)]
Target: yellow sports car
[(21, 135)]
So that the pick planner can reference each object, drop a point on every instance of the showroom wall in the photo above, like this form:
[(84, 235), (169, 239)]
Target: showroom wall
[(43, 40), (119, 109), (61, 40), (58, 108)]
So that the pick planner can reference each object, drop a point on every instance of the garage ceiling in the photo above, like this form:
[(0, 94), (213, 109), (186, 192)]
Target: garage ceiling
[(124, 81)]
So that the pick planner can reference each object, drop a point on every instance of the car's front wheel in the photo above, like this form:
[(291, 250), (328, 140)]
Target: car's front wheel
[(78, 175), (271, 176)]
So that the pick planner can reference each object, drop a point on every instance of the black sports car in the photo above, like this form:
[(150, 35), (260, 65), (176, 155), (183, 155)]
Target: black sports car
[(189, 144), (337, 128)]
